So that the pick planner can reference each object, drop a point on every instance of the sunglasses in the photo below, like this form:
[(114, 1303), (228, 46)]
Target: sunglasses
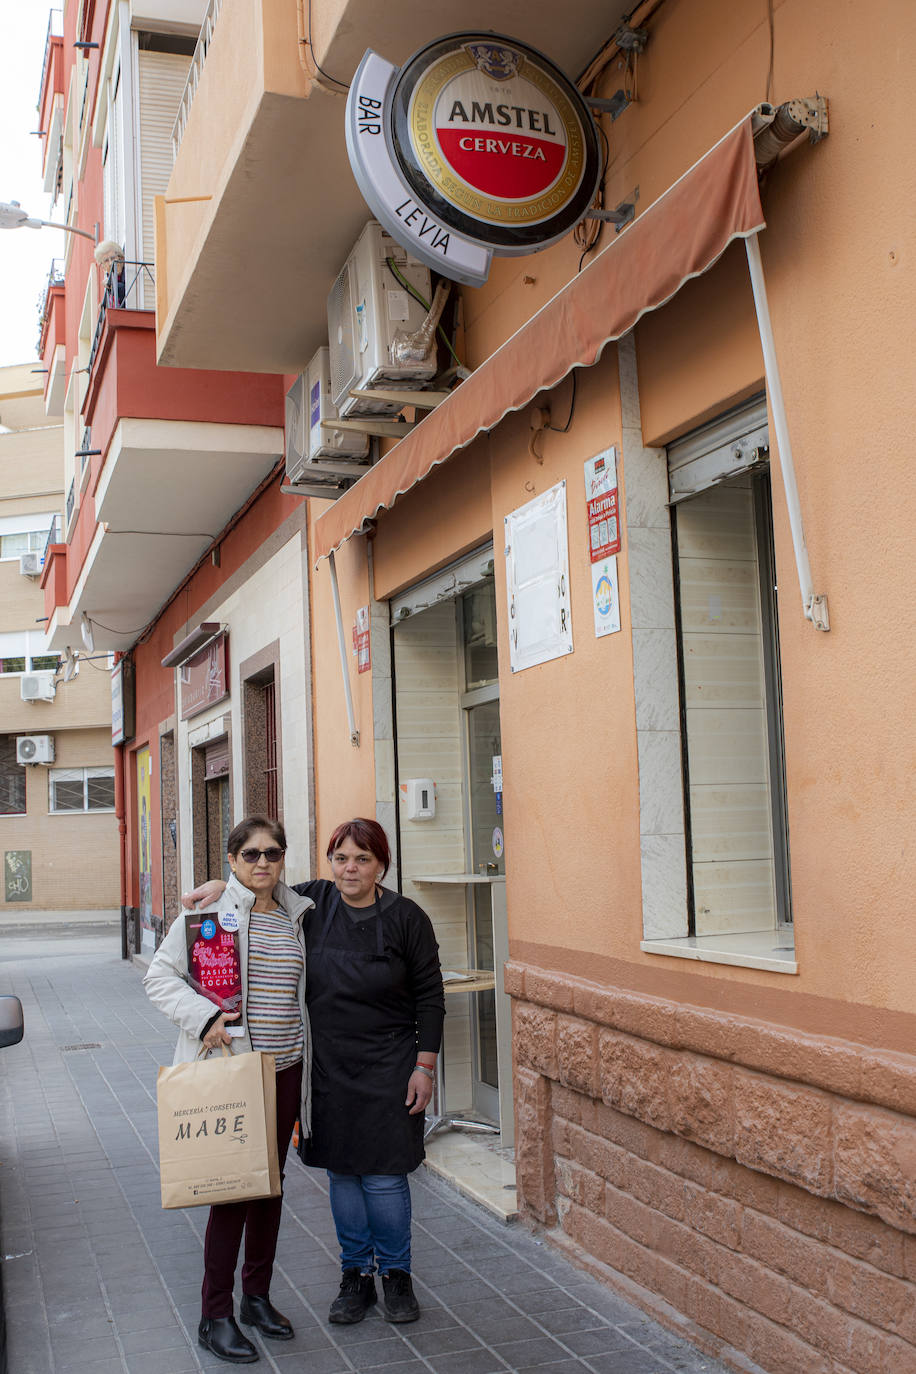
[(272, 855)]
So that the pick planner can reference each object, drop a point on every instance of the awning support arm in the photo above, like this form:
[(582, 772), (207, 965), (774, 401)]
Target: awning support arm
[(342, 645), (815, 606)]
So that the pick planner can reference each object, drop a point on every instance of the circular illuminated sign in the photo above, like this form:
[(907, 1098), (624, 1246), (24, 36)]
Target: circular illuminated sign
[(478, 146), (495, 140)]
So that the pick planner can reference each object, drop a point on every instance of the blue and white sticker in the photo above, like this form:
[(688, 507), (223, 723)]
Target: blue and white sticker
[(208, 929), (228, 920), (606, 597)]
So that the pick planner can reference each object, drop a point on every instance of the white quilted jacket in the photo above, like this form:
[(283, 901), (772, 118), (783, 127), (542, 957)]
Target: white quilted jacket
[(166, 981)]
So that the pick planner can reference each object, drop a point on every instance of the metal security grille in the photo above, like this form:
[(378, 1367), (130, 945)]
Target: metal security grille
[(270, 745)]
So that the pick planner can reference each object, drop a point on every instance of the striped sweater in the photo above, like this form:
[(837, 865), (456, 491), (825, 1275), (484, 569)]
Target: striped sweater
[(274, 969)]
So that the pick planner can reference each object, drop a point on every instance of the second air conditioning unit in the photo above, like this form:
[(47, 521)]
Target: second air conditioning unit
[(30, 564), (369, 312), (312, 448), (35, 749), (37, 687)]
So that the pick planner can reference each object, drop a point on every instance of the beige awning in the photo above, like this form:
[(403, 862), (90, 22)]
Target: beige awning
[(678, 237)]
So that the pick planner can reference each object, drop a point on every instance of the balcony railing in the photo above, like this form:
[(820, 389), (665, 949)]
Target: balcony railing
[(54, 537), (71, 501), (55, 30), (126, 288), (55, 278), (85, 448), (197, 64)]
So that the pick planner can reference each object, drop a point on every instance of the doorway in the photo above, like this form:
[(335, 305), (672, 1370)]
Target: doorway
[(446, 674), (484, 825)]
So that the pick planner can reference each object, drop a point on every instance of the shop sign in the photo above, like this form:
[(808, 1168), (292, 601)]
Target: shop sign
[(601, 505), (478, 146), (123, 700), (361, 640), (204, 679)]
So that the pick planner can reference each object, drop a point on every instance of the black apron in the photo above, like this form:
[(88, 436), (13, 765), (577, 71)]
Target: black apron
[(364, 1047)]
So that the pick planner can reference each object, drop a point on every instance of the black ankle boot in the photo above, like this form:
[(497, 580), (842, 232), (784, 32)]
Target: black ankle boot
[(222, 1337), (356, 1296), (400, 1303), (261, 1313)]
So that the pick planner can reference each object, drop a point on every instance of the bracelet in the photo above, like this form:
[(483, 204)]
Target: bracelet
[(423, 1069)]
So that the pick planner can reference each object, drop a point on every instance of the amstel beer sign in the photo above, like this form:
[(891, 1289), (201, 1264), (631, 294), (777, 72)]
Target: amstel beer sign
[(478, 146)]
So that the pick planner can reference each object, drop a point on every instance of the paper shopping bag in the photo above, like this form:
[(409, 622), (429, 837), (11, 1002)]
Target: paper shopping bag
[(218, 1130)]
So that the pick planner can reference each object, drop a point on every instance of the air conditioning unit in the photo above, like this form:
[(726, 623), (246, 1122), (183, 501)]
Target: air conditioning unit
[(37, 687), (31, 564), (35, 749), (311, 448), (369, 310)]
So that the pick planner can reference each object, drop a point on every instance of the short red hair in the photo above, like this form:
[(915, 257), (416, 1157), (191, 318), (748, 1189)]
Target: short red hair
[(365, 834)]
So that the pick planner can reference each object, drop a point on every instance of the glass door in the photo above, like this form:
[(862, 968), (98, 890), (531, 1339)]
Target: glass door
[(480, 702)]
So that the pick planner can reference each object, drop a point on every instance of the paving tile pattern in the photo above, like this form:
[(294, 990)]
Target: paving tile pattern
[(97, 1277)]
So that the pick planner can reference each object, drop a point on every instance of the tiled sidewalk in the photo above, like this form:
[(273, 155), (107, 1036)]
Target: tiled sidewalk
[(98, 1278)]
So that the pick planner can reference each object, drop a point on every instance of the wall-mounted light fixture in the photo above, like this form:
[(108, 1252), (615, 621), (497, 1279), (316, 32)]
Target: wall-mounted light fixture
[(193, 643)]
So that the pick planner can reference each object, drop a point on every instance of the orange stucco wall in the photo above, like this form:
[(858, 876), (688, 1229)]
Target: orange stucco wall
[(344, 773), (841, 288)]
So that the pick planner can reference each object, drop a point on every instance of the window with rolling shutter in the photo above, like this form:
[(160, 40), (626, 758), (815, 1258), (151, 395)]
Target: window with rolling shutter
[(162, 77), (730, 680)]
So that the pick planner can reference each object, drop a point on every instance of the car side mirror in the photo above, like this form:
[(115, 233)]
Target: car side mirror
[(12, 1025)]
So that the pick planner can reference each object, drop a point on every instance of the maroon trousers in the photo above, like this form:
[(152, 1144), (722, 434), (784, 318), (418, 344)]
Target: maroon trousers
[(259, 1220)]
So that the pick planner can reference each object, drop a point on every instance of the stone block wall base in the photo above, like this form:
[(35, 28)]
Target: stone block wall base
[(757, 1183), (650, 1303)]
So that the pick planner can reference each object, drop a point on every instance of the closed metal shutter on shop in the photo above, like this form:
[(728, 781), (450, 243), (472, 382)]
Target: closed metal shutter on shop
[(162, 81), (725, 640), (720, 450), (216, 758)]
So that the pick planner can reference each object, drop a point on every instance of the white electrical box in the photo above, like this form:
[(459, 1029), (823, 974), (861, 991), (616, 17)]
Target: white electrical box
[(369, 308), (420, 796)]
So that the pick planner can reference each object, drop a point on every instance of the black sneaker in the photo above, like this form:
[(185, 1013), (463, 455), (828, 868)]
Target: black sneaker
[(356, 1296), (400, 1303)]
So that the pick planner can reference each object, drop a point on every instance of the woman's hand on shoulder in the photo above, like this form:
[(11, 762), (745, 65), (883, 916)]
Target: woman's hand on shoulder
[(207, 893)]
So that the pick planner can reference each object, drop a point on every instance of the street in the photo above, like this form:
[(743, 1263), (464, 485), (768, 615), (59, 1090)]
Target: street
[(96, 1276)]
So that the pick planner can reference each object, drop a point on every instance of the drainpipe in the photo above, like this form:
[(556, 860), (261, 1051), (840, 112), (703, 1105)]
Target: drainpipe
[(120, 812)]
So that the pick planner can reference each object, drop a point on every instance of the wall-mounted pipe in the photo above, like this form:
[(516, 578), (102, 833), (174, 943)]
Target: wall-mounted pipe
[(342, 645)]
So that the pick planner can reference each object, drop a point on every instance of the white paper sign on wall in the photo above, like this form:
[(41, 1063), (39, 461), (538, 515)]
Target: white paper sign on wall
[(537, 578)]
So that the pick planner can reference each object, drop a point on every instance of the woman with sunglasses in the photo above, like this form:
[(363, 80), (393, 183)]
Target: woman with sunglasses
[(376, 1006), (268, 916)]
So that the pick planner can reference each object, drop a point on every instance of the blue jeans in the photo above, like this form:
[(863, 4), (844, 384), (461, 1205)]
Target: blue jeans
[(372, 1215)]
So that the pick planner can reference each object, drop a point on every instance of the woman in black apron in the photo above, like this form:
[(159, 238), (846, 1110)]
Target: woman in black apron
[(376, 1006)]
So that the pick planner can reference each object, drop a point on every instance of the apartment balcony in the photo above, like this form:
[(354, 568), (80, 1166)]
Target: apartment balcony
[(51, 107), (262, 208), (166, 457), (52, 349)]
